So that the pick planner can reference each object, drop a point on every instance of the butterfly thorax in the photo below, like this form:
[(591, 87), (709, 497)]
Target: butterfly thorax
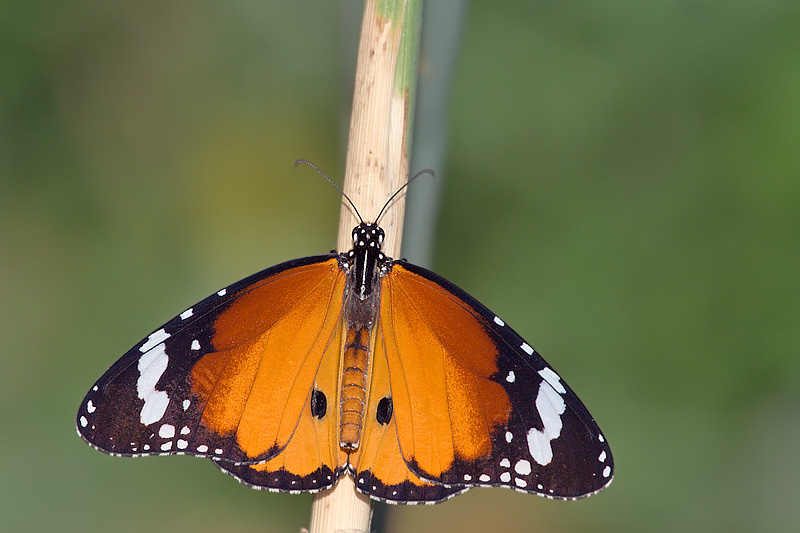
[(364, 264)]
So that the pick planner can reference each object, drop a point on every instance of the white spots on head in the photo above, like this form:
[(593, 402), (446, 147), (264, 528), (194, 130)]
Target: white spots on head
[(84, 422), (505, 477), (186, 404), (522, 467), (550, 406), (527, 348), (499, 322), (166, 446), (222, 292), (521, 483), (152, 365), (218, 451), (186, 314), (195, 345), (467, 477), (182, 444), (602, 457), (166, 431), (484, 477), (553, 379), (509, 436), (202, 448), (90, 408), (157, 337), (607, 471), (505, 463), (511, 377), (185, 430)]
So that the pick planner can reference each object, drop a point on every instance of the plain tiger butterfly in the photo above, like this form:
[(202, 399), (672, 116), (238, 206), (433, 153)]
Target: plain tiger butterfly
[(350, 363)]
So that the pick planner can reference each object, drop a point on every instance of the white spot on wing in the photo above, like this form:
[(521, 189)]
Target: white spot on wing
[(84, 422), (182, 444), (607, 471), (90, 407), (166, 431), (522, 467), (154, 338), (511, 377), (521, 483), (222, 292), (186, 404), (186, 314), (166, 446), (195, 345), (527, 348), (202, 448), (485, 478), (499, 322), (505, 463), (602, 457), (505, 477), (553, 379), (185, 430), (550, 406), (152, 365), (509, 436), (467, 477)]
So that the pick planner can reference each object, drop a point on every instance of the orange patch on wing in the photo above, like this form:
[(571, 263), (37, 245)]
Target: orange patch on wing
[(270, 343), (313, 443), (440, 359)]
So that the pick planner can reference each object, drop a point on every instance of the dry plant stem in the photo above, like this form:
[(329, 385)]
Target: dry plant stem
[(377, 166)]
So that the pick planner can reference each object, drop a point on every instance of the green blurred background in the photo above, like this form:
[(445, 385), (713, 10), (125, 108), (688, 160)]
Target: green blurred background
[(621, 185)]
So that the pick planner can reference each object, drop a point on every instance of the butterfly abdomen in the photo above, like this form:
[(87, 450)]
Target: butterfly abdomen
[(353, 399)]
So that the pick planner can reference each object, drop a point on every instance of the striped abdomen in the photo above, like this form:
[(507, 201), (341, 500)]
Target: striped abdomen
[(353, 399)]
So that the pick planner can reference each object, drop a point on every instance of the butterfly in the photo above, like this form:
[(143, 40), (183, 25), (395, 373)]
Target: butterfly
[(350, 364)]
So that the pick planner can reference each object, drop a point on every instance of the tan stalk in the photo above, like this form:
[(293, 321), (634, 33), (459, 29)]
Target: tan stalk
[(376, 167)]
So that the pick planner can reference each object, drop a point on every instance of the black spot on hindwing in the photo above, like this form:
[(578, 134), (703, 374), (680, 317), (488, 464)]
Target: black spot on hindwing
[(384, 413), (319, 404)]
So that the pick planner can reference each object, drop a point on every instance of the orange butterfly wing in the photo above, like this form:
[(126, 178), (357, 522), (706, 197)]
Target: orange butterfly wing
[(473, 404), (232, 377)]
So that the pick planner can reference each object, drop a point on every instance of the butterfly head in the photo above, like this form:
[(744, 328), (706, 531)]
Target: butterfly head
[(367, 236)]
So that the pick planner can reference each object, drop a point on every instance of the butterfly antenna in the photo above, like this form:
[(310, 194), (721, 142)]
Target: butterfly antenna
[(406, 184), (312, 165)]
